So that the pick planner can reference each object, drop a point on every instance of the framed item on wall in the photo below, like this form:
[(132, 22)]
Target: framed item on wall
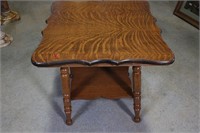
[(188, 11)]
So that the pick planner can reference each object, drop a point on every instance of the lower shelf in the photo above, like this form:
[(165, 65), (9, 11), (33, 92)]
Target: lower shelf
[(100, 82)]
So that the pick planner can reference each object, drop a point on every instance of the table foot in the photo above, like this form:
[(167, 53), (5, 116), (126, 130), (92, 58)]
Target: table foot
[(65, 76), (69, 122), (137, 92), (137, 120)]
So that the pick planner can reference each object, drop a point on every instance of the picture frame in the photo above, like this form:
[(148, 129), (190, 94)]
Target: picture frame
[(188, 11)]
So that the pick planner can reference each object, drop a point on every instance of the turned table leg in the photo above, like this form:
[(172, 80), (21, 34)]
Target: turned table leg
[(65, 77), (137, 92)]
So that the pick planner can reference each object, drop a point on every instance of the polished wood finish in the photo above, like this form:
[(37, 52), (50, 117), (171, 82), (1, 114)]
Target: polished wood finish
[(100, 82), (65, 77), (96, 32), (137, 92), (89, 37)]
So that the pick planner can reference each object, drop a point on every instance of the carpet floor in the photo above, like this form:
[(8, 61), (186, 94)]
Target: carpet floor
[(31, 99)]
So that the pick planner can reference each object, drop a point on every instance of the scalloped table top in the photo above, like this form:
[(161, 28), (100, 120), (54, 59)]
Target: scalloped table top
[(101, 32)]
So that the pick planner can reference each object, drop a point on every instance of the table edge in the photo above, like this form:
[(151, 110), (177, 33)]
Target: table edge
[(102, 61)]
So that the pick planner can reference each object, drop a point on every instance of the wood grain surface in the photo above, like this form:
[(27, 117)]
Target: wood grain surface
[(112, 32)]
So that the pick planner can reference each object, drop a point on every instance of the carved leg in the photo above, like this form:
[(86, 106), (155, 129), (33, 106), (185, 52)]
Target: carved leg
[(137, 92), (7, 15), (65, 76)]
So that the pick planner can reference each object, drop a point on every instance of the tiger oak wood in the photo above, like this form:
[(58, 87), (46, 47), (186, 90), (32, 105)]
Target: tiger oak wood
[(95, 32), (95, 42)]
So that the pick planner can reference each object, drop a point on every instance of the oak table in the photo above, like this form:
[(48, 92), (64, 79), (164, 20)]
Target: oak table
[(94, 43)]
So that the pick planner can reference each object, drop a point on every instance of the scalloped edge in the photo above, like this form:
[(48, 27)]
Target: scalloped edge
[(102, 61)]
